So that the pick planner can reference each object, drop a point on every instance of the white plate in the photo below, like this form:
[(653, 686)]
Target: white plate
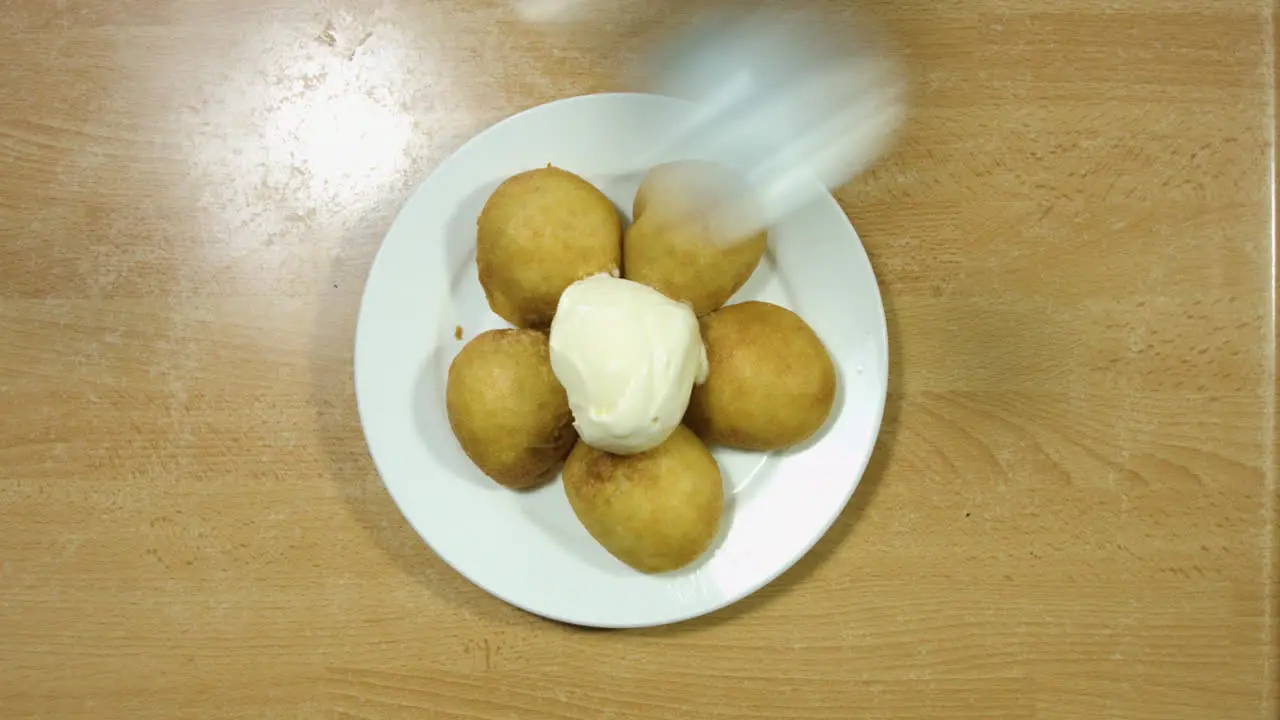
[(528, 548)]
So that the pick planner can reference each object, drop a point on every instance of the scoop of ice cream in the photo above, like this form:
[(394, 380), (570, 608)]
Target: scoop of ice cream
[(628, 358)]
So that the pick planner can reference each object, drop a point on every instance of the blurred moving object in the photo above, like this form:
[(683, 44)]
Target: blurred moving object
[(783, 92)]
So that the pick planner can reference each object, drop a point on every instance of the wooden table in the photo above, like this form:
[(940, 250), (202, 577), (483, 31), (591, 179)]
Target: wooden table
[(1071, 513)]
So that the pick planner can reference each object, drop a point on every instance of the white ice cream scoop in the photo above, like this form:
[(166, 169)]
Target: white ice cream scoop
[(628, 358)]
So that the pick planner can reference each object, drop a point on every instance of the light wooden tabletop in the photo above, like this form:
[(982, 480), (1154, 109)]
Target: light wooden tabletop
[(1071, 512)]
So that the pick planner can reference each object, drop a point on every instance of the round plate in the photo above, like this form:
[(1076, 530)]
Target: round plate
[(528, 548)]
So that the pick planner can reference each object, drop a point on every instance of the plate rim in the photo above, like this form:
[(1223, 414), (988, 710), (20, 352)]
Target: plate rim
[(838, 509)]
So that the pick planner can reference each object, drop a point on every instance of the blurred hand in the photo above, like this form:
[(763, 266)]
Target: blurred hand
[(618, 14), (784, 92)]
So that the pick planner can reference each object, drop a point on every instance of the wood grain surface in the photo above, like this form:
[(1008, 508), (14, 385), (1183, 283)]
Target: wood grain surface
[(1071, 512)]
